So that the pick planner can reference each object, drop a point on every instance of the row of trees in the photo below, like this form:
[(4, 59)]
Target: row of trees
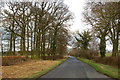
[(105, 21), (104, 17), (39, 26)]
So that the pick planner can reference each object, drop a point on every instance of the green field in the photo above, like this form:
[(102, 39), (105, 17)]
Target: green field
[(108, 54)]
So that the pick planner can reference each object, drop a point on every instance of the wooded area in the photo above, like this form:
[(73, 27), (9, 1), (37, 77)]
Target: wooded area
[(104, 18), (38, 28)]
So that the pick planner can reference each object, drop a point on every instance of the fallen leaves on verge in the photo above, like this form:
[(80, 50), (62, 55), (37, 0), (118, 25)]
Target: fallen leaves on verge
[(26, 69)]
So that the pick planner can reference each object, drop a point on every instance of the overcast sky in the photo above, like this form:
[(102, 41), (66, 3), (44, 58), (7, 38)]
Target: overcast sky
[(77, 7)]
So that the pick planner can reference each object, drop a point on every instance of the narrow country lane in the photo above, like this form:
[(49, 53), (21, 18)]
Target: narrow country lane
[(73, 68)]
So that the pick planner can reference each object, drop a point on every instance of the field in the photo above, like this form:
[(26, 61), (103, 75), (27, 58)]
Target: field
[(29, 69), (108, 54)]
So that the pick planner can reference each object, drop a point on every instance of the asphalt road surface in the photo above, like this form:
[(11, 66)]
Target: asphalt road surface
[(73, 68)]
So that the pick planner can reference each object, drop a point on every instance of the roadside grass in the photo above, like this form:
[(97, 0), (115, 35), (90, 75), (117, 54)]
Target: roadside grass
[(30, 69), (41, 73), (105, 69)]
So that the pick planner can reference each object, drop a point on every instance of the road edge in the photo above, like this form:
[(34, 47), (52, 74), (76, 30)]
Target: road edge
[(40, 74), (98, 70)]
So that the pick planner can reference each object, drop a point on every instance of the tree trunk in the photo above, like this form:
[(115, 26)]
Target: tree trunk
[(115, 48), (54, 43), (10, 51), (32, 53), (2, 49), (34, 44), (1, 45), (27, 40), (48, 48), (38, 44), (115, 43), (102, 46), (14, 43), (43, 44), (34, 47), (51, 46), (24, 41), (21, 48)]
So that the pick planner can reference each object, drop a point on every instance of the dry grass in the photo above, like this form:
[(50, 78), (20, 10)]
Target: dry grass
[(109, 60), (26, 69), (0, 72)]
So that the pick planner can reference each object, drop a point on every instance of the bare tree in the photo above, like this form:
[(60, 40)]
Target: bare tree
[(96, 15), (37, 25)]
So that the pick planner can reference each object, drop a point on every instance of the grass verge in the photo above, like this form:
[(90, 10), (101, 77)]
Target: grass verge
[(105, 69), (30, 69), (39, 74)]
